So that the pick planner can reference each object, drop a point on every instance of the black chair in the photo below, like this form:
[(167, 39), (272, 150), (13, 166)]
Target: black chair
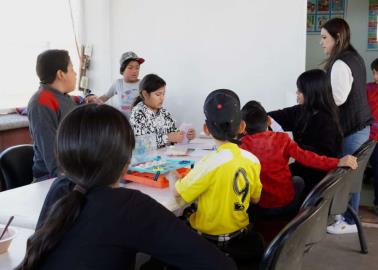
[(352, 183), (2, 182), (324, 190), (288, 248), (16, 164)]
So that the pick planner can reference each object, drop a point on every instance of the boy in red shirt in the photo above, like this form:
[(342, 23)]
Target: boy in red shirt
[(372, 94), (281, 193)]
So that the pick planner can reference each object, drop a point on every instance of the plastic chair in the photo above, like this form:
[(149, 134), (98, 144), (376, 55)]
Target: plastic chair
[(352, 182), (2, 182), (326, 189), (16, 164), (287, 249)]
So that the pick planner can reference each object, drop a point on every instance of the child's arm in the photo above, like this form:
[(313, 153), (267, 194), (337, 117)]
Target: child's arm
[(316, 161), (256, 185), (255, 200), (287, 117), (194, 183)]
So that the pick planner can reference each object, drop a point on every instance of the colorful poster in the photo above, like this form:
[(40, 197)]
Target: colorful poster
[(320, 11), (323, 6), (338, 6), (311, 23), (372, 25), (311, 6), (320, 20)]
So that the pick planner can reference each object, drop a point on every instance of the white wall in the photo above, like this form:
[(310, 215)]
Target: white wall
[(256, 48), (95, 31), (357, 18)]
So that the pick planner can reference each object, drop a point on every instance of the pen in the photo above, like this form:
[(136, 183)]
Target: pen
[(156, 175)]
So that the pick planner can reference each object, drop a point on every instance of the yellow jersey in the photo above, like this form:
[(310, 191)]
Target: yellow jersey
[(223, 182)]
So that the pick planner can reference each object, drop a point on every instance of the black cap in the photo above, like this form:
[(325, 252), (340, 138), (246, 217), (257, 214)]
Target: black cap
[(223, 116)]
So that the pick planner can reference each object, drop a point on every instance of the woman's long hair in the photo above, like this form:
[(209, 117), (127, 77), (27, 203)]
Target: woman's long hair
[(340, 32), (315, 87), (94, 146)]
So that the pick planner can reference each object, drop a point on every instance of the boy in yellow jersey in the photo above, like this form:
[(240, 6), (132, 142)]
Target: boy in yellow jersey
[(225, 181)]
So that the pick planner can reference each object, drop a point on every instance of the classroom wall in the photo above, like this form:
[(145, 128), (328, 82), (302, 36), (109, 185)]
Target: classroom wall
[(256, 48), (357, 18)]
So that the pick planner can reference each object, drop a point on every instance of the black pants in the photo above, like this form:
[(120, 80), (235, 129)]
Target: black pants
[(245, 247)]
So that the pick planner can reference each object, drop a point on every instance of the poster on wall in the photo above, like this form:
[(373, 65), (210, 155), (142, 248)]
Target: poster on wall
[(320, 11), (372, 25)]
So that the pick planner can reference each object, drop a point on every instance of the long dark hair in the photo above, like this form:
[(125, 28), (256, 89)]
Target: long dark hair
[(339, 30), (49, 62), (315, 87), (94, 146), (150, 83)]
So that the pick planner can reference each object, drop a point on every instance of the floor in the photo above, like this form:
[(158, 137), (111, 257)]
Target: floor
[(341, 252)]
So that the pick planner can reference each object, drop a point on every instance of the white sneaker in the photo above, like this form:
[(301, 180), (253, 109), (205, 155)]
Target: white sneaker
[(339, 217), (341, 227)]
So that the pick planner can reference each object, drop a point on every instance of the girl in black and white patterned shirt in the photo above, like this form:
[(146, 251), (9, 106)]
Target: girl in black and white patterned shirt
[(149, 117)]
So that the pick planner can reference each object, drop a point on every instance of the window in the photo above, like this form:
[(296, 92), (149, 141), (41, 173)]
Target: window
[(28, 28)]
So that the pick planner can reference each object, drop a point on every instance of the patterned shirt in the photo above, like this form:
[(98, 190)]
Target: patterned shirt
[(125, 93), (145, 121)]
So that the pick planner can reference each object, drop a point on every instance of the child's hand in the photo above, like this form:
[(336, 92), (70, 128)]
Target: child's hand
[(93, 99), (172, 177), (348, 161), (191, 134), (176, 137)]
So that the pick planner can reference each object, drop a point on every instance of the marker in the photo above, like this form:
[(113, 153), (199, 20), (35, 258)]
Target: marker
[(157, 176)]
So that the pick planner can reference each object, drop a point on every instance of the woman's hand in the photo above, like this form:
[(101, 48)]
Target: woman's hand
[(348, 161), (191, 134), (176, 137)]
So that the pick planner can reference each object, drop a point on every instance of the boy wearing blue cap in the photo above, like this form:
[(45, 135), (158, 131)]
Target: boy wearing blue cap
[(224, 182), (126, 89)]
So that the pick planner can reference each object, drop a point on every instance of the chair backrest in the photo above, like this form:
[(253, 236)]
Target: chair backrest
[(2, 182), (16, 163), (325, 190), (352, 179), (287, 249)]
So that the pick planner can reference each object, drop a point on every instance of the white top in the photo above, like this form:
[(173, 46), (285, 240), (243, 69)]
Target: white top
[(125, 93), (341, 81)]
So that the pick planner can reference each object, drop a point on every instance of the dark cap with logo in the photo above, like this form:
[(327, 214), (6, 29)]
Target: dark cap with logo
[(223, 116)]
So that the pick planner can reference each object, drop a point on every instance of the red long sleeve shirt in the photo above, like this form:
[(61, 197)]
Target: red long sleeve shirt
[(372, 94), (274, 150)]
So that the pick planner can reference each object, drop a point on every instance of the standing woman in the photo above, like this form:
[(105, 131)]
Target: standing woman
[(347, 73)]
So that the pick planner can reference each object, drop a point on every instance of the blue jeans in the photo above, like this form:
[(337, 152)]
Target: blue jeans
[(374, 165), (350, 144)]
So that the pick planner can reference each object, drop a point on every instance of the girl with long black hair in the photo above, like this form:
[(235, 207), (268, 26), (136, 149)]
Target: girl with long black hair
[(92, 223), (314, 123)]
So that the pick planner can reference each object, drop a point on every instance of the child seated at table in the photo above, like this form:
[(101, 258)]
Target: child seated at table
[(99, 225), (281, 193), (48, 106), (224, 182), (149, 117)]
